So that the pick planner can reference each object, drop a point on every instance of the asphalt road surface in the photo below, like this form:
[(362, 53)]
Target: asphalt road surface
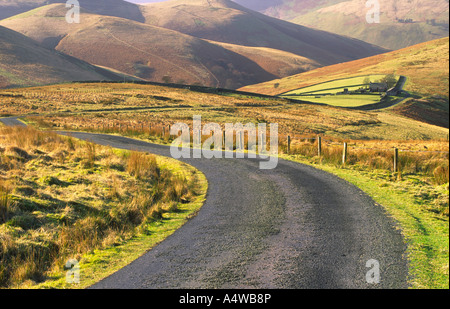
[(294, 227)]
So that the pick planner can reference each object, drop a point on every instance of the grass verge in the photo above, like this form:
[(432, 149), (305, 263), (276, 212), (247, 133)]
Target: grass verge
[(99, 264), (63, 199)]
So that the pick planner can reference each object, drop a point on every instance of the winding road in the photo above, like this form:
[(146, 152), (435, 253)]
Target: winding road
[(294, 227)]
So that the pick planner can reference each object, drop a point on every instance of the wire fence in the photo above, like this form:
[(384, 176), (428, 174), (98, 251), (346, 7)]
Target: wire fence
[(398, 159)]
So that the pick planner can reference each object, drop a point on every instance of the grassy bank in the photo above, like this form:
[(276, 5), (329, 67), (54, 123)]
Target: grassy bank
[(64, 199)]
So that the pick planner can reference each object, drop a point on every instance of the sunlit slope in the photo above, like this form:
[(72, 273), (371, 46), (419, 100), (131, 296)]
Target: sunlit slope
[(228, 22), (155, 53), (23, 62), (71, 105), (425, 65), (403, 22), (118, 8)]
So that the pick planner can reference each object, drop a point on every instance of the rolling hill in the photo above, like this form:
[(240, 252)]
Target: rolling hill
[(23, 62), (175, 49), (117, 8), (146, 51), (227, 22), (403, 22), (425, 65)]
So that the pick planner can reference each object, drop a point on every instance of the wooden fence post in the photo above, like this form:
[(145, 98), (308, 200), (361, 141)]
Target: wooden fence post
[(344, 154), (319, 145), (241, 141), (395, 160), (289, 144), (223, 139)]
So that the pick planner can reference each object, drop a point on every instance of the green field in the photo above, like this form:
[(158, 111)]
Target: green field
[(335, 86), (327, 92), (348, 100)]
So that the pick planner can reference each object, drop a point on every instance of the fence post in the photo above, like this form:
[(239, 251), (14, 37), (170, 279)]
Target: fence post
[(319, 145), (344, 155), (241, 141), (395, 160), (223, 139), (289, 144)]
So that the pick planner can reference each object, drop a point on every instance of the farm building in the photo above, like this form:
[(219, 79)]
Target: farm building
[(378, 87)]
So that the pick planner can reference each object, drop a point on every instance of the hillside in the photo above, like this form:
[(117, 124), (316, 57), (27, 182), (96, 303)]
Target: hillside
[(425, 65), (168, 52), (403, 22), (228, 22), (117, 8), (146, 51), (24, 62), (135, 106)]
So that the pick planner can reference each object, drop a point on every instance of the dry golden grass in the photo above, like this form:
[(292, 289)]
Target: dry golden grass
[(61, 198), (125, 113), (429, 159), (126, 107)]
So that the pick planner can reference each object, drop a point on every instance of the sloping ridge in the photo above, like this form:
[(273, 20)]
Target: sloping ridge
[(188, 42), (228, 22), (154, 53), (26, 63), (425, 65), (159, 54), (117, 8)]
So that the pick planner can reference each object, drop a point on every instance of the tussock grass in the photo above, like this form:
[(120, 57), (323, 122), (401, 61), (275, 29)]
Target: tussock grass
[(4, 202), (141, 165), (61, 198), (140, 110), (432, 164)]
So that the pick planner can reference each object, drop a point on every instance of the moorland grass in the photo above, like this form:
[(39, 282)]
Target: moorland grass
[(61, 199)]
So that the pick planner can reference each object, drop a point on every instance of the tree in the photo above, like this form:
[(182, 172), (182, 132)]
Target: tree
[(390, 80)]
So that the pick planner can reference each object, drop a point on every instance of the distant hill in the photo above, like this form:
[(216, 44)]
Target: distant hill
[(403, 22), (228, 22), (117, 8), (240, 47), (149, 52), (23, 62), (425, 65)]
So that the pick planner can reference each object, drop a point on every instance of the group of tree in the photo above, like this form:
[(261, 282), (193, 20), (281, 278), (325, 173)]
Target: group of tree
[(389, 79)]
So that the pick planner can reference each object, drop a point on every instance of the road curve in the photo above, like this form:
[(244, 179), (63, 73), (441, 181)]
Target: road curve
[(294, 227)]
